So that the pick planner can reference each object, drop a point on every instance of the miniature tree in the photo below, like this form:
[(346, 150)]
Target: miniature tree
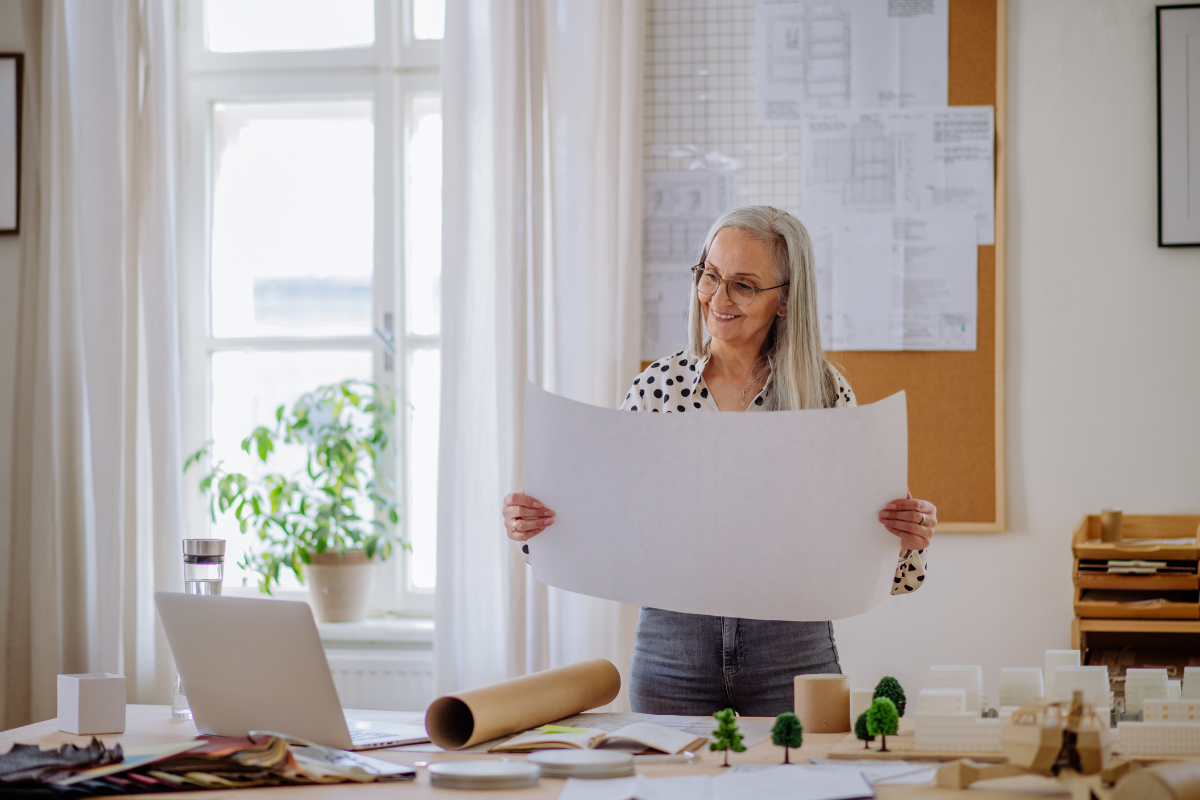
[(890, 688), (861, 732), (882, 720), (788, 732), (727, 736)]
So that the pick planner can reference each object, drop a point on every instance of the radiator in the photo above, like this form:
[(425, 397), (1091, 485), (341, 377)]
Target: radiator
[(395, 680)]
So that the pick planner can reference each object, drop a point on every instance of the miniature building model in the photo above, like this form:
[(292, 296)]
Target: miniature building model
[(1171, 711), (957, 733), (860, 701), (1158, 738), (1142, 685), (1054, 660), (942, 701), (1020, 685), (1092, 681), (969, 679), (1170, 728), (1191, 683)]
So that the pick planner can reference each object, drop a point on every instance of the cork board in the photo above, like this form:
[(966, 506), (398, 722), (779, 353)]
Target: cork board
[(955, 399)]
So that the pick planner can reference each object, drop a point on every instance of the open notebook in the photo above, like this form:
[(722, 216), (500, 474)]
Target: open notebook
[(638, 737)]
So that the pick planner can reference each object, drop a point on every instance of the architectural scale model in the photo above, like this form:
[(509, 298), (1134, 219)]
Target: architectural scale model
[(1020, 685), (1169, 728)]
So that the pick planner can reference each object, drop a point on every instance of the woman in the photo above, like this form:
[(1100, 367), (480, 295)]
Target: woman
[(754, 344)]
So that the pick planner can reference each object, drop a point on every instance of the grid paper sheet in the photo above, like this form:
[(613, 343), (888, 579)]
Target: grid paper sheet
[(700, 106)]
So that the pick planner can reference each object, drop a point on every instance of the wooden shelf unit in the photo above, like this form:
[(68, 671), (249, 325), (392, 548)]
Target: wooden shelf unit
[(1126, 619)]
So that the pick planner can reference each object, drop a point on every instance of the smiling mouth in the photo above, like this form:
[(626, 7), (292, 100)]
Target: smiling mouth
[(719, 315)]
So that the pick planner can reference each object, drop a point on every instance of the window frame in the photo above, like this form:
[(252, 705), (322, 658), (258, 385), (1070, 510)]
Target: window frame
[(387, 73)]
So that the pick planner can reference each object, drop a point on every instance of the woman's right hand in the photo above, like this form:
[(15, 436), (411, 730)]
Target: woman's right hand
[(525, 517)]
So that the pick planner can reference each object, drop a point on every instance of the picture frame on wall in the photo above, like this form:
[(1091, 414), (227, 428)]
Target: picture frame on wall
[(1177, 30), (12, 73)]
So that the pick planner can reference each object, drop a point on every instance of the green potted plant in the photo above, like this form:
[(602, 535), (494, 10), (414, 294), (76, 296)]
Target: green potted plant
[(332, 523)]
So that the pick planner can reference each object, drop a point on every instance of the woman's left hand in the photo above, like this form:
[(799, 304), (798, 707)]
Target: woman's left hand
[(911, 520)]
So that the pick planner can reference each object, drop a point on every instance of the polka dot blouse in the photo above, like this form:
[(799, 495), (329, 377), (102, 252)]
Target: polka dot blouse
[(675, 385)]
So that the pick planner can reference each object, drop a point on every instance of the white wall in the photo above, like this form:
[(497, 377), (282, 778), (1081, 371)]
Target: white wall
[(1103, 351), (12, 40)]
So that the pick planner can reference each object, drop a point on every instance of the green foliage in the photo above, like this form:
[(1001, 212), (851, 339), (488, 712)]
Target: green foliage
[(727, 736), (890, 688), (860, 729), (882, 718), (338, 503), (788, 732)]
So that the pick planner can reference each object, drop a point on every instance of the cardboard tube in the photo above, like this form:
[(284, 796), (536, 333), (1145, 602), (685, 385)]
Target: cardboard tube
[(1179, 781), (467, 718), (823, 703)]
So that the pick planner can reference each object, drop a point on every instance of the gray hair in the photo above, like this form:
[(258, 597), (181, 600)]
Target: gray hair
[(801, 377)]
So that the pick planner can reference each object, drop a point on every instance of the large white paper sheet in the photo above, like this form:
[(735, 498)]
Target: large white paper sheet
[(897, 282), (837, 54), (678, 210), (761, 515), (761, 782), (914, 161)]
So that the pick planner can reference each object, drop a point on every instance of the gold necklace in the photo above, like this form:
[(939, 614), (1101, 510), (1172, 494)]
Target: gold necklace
[(746, 388)]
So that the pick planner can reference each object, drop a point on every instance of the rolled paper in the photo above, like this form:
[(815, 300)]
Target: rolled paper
[(465, 719), (1179, 781), (1110, 525), (823, 703)]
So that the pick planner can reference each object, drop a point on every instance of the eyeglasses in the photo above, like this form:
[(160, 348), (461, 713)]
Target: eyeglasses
[(740, 292)]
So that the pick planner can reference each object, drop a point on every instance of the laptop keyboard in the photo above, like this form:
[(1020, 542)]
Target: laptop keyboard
[(371, 737)]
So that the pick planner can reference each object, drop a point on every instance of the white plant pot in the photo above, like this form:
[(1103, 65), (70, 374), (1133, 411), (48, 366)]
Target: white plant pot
[(340, 585)]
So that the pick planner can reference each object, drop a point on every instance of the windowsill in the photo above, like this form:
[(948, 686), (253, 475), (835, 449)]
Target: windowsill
[(382, 633), (394, 634)]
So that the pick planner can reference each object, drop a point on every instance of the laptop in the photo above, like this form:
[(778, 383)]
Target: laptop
[(258, 665)]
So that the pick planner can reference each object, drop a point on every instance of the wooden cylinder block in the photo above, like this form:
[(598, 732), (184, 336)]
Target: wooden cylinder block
[(823, 703)]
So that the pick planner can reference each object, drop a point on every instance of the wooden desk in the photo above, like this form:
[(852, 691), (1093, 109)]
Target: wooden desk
[(153, 724)]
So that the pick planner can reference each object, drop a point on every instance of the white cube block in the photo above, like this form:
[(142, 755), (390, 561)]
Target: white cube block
[(91, 702), (1054, 660), (942, 701), (860, 701), (1191, 683), (1020, 685)]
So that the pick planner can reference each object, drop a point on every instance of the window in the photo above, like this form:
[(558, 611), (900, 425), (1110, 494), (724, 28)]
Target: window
[(311, 240)]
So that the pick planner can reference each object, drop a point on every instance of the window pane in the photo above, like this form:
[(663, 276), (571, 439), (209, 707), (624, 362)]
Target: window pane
[(239, 26), (293, 218), (423, 228), (429, 19), (424, 390), (247, 387)]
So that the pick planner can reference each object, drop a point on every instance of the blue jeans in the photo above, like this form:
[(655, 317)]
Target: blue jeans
[(697, 665)]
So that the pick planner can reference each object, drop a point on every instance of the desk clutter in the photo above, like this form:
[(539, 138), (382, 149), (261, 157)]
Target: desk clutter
[(207, 762)]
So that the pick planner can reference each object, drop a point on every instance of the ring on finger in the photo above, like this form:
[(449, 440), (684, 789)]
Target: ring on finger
[(922, 522)]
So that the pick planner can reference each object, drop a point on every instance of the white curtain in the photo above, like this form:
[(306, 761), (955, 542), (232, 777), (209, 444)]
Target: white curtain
[(541, 281), (96, 462)]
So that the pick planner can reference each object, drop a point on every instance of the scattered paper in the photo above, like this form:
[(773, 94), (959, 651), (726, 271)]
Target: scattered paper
[(909, 162), (793, 782), (836, 54), (907, 772), (897, 282), (678, 210), (753, 730), (679, 513)]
